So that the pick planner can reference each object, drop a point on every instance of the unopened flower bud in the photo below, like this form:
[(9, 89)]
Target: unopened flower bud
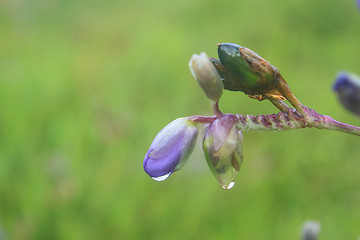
[(205, 73), (223, 149), (254, 71), (347, 87), (170, 149)]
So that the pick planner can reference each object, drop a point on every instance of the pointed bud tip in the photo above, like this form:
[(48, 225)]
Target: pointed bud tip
[(253, 73)]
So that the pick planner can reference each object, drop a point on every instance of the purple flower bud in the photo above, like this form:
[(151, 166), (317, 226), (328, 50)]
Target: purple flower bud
[(358, 3), (207, 76), (223, 149), (170, 149), (347, 87)]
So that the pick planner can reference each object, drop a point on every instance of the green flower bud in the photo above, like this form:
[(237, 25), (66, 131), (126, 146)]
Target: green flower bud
[(222, 146), (208, 78), (244, 70)]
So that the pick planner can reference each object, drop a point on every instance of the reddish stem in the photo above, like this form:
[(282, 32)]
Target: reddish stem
[(216, 110), (202, 119)]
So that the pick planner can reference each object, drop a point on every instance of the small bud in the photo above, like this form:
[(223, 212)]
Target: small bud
[(223, 149), (253, 71), (347, 87), (170, 149), (208, 78), (310, 230)]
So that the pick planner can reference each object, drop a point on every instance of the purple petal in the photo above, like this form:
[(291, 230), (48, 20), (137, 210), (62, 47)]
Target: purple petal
[(163, 165), (170, 148)]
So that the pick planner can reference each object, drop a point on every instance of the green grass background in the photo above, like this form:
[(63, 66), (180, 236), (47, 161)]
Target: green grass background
[(86, 85)]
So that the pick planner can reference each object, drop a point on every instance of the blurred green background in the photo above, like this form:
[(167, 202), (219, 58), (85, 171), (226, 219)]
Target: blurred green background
[(86, 85)]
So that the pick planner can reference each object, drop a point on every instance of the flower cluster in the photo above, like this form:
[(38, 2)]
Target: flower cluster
[(237, 69), (222, 142)]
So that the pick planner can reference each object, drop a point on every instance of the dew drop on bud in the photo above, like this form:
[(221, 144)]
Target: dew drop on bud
[(162, 178), (226, 187)]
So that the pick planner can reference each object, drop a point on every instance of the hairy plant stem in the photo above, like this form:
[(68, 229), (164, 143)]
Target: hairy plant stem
[(283, 107), (285, 120), (293, 120)]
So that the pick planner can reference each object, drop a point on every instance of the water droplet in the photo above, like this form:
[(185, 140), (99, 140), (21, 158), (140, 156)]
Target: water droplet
[(231, 184), (162, 178)]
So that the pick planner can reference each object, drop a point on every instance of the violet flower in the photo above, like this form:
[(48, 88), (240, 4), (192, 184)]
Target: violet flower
[(170, 148), (347, 87)]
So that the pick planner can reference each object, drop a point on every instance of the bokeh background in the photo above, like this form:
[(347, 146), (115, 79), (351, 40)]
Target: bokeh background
[(86, 85)]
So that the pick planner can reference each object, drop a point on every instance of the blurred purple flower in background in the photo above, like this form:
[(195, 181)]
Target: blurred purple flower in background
[(347, 87), (170, 148), (310, 230)]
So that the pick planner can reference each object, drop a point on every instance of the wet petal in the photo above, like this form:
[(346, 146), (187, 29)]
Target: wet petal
[(170, 148)]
